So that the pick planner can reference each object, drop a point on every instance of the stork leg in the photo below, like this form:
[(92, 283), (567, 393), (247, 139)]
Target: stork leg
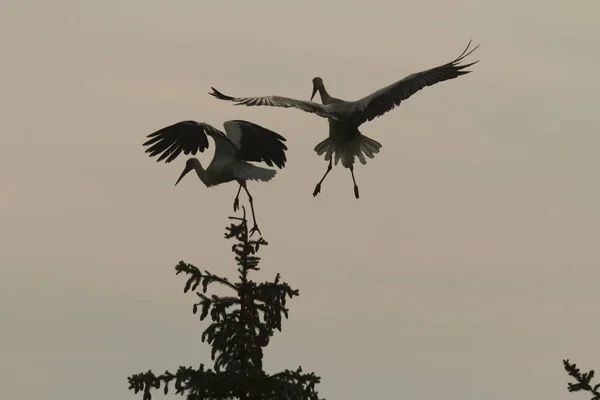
[(318, 187), (354, 181), (255, 227), (236, 202)]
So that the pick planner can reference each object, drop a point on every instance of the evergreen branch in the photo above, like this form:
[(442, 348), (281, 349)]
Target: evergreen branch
[(207, 384), (197, 277), (583, 380)]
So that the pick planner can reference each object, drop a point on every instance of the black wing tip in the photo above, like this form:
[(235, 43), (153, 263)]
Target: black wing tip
[(169, 142), (148, 142), (459, 68), (282, 159), (173, 125), (465, 54), (219, 95), (157, 133), (277, 162)]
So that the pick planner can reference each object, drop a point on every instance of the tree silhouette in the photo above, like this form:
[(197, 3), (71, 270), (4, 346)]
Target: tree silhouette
[(582, 380), (242, 325)]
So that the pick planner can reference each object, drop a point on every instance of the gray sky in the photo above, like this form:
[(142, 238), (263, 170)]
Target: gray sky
[(471, 257)]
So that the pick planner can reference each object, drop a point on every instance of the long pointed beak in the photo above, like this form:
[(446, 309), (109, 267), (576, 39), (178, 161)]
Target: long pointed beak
[(313, 93), (184, 173)]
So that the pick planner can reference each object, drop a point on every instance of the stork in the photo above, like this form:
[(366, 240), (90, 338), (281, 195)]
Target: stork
[(243, 143), (345, 141)]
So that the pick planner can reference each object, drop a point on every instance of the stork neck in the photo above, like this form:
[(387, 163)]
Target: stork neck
[(325, 97), (200, 172)]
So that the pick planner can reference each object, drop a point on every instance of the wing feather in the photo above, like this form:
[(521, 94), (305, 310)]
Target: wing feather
[(188, 137), (256, 143), (387, 98), (321, 110)]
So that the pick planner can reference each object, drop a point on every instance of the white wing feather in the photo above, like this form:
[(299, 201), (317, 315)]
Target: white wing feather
[(234, 133), (249, 172)]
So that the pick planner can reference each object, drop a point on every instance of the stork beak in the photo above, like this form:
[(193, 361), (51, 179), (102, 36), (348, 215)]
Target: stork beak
[(184, 173), (314, 92)]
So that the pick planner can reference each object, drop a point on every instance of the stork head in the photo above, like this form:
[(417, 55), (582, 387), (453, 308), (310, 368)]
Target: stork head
[(317, 84), (189, 165)]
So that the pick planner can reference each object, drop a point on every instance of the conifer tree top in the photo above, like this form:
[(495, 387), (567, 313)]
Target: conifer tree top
[(243, 322)]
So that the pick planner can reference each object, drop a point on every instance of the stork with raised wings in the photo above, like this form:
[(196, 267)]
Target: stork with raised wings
[(243, 143), (345, 141)]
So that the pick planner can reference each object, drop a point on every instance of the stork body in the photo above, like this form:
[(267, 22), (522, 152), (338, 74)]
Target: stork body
[(244, 142), (345, 141)]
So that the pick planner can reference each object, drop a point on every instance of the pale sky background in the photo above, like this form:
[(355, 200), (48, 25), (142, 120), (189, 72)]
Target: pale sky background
[(468, 269)]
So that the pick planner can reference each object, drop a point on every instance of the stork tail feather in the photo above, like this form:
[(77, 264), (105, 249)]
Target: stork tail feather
[(347, 151)]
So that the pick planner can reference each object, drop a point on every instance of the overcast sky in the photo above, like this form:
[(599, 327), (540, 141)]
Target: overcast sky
[(468, 269)]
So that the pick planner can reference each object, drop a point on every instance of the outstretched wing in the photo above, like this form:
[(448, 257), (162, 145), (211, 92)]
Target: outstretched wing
[(384, 100), (256, 143), (278, 101), (185, 136)]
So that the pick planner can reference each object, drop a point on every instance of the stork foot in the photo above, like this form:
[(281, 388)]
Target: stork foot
[(255, 229), (317, 189), (356, 192)]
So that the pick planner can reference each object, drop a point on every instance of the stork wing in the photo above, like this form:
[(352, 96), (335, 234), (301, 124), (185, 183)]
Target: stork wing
[(278, 101), (186, 136), (256, 143), (386, 99)]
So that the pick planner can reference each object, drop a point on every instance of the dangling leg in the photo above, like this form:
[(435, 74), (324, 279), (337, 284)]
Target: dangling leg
[(236, 202), (354, 181), (255, 227), (318, 187)]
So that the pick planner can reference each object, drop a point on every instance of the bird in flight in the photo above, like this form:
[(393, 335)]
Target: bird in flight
[(243, 143), (345, 141)]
